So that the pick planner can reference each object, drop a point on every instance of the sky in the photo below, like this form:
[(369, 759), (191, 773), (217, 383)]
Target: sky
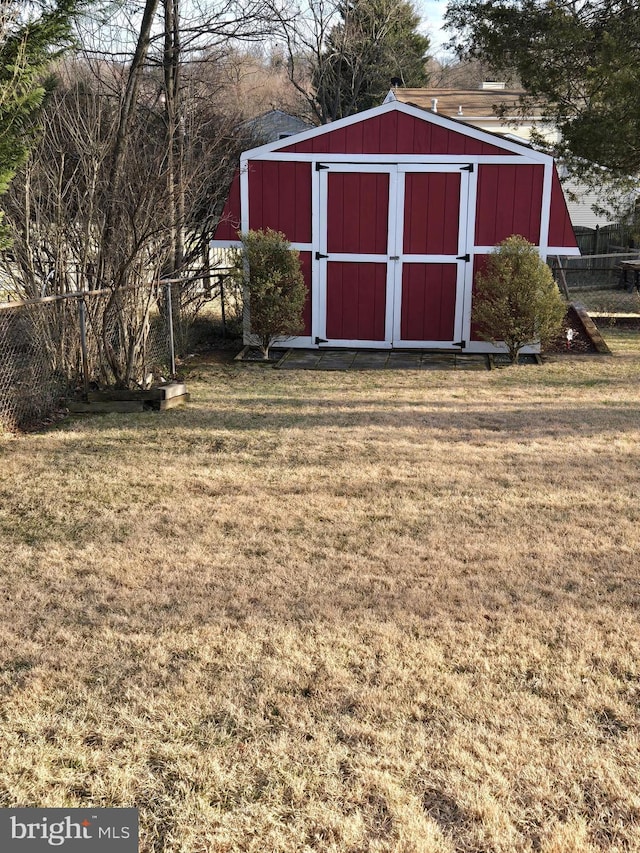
[(432, 12)]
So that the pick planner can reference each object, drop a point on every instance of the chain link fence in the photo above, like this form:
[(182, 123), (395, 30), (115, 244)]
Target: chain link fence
[(59, 347), (606, 284)]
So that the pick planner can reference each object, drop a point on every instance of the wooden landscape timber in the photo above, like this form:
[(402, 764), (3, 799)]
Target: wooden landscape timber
[(590, 329), (160, 399)]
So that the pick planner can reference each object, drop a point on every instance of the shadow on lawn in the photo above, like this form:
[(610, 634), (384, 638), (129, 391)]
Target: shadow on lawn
[(459, 420)]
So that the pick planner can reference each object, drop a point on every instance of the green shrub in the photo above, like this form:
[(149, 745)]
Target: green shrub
[(270, 271), (516, 301)]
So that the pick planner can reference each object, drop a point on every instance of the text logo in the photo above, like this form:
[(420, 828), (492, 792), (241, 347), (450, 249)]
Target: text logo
[(72, 830)]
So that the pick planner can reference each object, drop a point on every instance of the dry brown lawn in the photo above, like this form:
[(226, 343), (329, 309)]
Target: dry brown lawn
[(376, 611)]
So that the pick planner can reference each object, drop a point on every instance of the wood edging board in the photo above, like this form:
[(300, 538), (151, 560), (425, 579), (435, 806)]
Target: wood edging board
[(172, 402), (161, 392), (158, 399), (591, 329)]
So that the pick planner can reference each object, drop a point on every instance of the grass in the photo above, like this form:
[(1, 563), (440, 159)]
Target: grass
[(376, 611), (606, 300)]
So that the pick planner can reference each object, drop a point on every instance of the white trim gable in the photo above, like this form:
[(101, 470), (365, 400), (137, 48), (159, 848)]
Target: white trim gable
[(494, 139)]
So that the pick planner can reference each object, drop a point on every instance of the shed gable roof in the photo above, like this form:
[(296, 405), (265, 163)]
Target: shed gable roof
[(398, 128)]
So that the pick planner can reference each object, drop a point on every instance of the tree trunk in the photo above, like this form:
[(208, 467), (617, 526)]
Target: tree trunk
[(107, 266)]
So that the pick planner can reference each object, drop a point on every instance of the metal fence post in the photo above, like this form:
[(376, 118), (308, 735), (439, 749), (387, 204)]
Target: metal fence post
[(564, 289), (222, 308), (172, 352), (82, 318)]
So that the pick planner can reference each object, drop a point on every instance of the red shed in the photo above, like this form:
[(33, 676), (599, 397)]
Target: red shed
[(393, 210)]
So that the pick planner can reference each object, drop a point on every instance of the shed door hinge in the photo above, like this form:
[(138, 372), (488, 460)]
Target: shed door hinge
[(461, 344), (320, 166), (465, 258), (320, 256), (468, 168), (321, 340)]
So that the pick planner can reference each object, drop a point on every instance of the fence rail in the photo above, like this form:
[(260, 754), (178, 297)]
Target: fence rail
[(53, 348), (598, 283), (59, 346)]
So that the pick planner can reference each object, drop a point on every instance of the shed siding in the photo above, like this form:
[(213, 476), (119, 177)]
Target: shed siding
[(392, 133), (560, 228), (280, 198), (431, 214), (227, 228), (428, 302), (358, 213), (509, 202)]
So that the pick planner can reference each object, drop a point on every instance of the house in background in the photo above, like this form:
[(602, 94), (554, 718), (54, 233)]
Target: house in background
[(393, 211), (273, 125), (477, 107)]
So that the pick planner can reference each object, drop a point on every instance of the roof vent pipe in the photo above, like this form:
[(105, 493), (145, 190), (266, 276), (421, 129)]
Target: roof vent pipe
[(460, 110), (434, 105)]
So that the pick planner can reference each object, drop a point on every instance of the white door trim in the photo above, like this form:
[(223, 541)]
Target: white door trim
[(461, 265), (320, 324), (394, 258)]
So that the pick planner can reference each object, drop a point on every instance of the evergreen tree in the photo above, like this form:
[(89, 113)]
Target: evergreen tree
[(269, 271), (28, 43), (374, 42), (580, 60), (516, 302)]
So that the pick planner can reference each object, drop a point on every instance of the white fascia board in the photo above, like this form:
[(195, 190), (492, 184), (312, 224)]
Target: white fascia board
[(408, 159), (548, 250), (256, 153), (545, 217), (563, 251), (445, 122), (224, 244), (244, 197)]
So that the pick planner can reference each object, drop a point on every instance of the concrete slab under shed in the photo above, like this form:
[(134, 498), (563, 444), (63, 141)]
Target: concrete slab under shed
[(349, 359)]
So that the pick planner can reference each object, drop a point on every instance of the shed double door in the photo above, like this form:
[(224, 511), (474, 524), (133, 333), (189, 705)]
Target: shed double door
[(390, 254)]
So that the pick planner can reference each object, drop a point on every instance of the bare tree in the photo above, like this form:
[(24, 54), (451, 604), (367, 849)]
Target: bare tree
[(446, 71), (343, 55), (305, 35), (58, 205), (191, 37)]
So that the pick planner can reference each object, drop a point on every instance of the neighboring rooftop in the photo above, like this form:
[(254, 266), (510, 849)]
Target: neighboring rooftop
[(463, 103), (274, 125)]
